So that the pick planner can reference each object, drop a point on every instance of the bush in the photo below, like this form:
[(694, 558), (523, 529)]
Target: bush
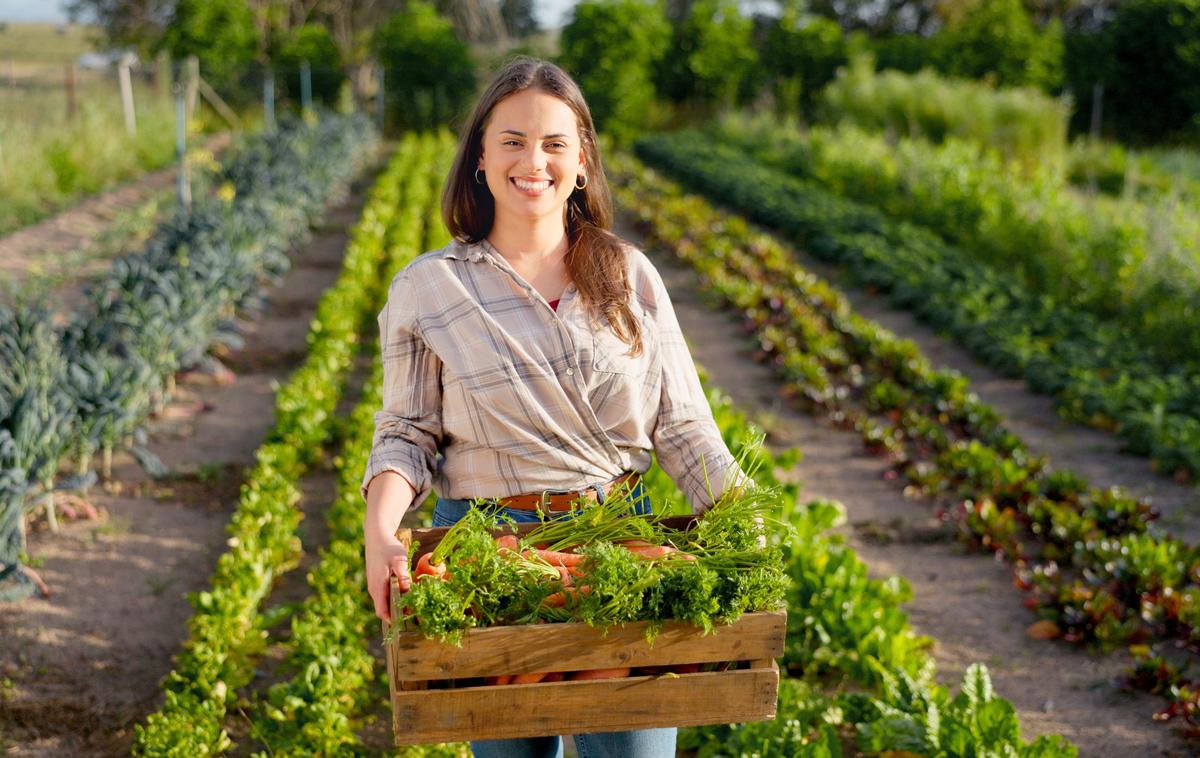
[(429, 74), (312, 43), (712, 58), (610, 47)]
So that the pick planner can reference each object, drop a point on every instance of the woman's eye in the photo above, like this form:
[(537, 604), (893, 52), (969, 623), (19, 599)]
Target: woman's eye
[(510, 142), (556, 145)]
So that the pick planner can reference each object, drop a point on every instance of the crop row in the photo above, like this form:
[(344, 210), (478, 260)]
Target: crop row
[(1128, 261), (1098, 574), (89, 385), (1097, 372), (227, 631), (319, 710), (847, 631)]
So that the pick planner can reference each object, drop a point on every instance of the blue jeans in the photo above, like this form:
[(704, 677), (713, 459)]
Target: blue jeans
[(640, 743)]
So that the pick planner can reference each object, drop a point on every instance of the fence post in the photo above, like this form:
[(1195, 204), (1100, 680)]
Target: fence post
[(162, 74), (127, 94), (1097, 108), (192, 84), (269, 100), (305, 87), (185, 186), (72, 94)]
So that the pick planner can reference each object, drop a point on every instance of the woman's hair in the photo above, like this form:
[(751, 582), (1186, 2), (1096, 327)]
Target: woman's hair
[(596, 258)]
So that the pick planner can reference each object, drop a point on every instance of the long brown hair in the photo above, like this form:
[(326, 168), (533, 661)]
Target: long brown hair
[(596, 258)]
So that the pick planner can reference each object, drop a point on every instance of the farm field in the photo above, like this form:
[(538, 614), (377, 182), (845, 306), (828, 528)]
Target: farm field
[(941, 290)]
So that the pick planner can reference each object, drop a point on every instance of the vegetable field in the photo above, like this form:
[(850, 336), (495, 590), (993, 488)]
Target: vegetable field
[(943, 298)]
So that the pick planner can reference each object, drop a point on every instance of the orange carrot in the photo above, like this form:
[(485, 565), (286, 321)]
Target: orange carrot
[(507, 542), (555, 676), (565, 575), (499, 680), (554, 556), (599, 674), (426, 567), (528, 678)]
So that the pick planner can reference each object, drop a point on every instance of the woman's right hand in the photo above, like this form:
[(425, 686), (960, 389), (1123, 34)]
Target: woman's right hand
[(386, 557)]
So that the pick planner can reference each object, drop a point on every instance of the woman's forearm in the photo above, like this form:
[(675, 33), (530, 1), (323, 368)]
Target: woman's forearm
[(389, 496)]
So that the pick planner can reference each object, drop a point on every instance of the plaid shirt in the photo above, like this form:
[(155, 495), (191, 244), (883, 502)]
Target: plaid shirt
[(489, 392)]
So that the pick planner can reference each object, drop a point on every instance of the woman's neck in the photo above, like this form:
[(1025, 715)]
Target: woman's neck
[(526, 245)]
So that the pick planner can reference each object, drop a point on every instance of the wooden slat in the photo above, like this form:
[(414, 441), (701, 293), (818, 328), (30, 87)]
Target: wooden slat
[(577, 646), (549, 708)]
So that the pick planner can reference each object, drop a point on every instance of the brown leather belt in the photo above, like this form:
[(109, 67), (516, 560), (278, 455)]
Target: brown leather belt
[(563, 501)]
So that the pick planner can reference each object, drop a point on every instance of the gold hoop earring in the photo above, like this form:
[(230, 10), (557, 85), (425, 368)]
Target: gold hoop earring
[(577, 178), (477, 181)]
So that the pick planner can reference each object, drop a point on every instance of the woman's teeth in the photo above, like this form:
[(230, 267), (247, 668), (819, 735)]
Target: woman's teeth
[(526, 186)]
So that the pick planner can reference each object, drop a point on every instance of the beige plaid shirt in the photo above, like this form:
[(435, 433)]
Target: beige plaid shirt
[(488, 392)]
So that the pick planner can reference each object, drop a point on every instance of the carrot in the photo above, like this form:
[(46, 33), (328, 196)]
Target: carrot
[(555, 676), (565, 576), (507, 542), (686, 668), (590, 674), (499, 680), (528, 678), (426, 567), (554, 556), (659, 551), (636, 543), (559, 599)]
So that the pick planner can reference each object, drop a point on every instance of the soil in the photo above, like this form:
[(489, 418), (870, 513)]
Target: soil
[(80, 668), (965, 602)]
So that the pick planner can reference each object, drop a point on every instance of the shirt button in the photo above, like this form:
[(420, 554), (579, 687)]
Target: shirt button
[(570, 372)]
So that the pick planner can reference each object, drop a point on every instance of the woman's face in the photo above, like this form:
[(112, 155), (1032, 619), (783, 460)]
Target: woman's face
[(531, 155)]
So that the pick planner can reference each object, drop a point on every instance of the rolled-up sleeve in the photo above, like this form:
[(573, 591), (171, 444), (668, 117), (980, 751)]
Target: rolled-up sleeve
[(408, 428), (687, 442)]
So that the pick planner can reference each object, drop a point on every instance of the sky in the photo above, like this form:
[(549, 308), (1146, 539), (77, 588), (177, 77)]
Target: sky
[(551, 13)]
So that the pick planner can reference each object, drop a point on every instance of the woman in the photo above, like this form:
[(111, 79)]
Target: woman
[(537, 354)]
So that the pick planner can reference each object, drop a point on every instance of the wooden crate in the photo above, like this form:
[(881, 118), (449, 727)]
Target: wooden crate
[(424, 715)]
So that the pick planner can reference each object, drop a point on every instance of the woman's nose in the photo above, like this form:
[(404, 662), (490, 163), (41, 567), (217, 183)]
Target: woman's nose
[(533, 159)]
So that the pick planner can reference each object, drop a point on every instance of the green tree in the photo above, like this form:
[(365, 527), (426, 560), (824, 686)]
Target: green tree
[(803, 53), (998, 38), (221, 33), (519, 20), (429, 74), (312, 43), (610, 48), (722, 53), (1155, 51)]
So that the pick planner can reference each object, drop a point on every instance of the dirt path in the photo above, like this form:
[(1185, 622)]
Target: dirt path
[(64, 248), (966, 602), (82, 667)]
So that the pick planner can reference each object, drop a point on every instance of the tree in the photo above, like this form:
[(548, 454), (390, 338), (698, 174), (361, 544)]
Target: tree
[(519, 20), (610, 47), (221, 33), (722, 52), (1154, 46), (997, 38), (430, 77), (803, 53), (311, 43)]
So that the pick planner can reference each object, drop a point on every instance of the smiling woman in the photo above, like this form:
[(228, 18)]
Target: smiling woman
[(536, 359)]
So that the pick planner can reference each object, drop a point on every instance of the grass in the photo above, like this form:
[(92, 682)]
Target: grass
[(43, 43)]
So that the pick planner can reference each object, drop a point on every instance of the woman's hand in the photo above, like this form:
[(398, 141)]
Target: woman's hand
[(386, 557)]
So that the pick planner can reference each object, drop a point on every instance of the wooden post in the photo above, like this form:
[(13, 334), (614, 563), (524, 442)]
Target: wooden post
[(185, 187), (72, 94), (305, 87), (192, 84), (269, 100), (127, 94)]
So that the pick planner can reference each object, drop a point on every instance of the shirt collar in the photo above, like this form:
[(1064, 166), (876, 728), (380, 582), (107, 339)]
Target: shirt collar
[(467, 251)]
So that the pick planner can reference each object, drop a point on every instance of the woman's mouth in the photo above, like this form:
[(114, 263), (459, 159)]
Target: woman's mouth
[(531, 188)]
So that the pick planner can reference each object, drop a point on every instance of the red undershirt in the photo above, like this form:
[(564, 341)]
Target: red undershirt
[(554, 304)]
